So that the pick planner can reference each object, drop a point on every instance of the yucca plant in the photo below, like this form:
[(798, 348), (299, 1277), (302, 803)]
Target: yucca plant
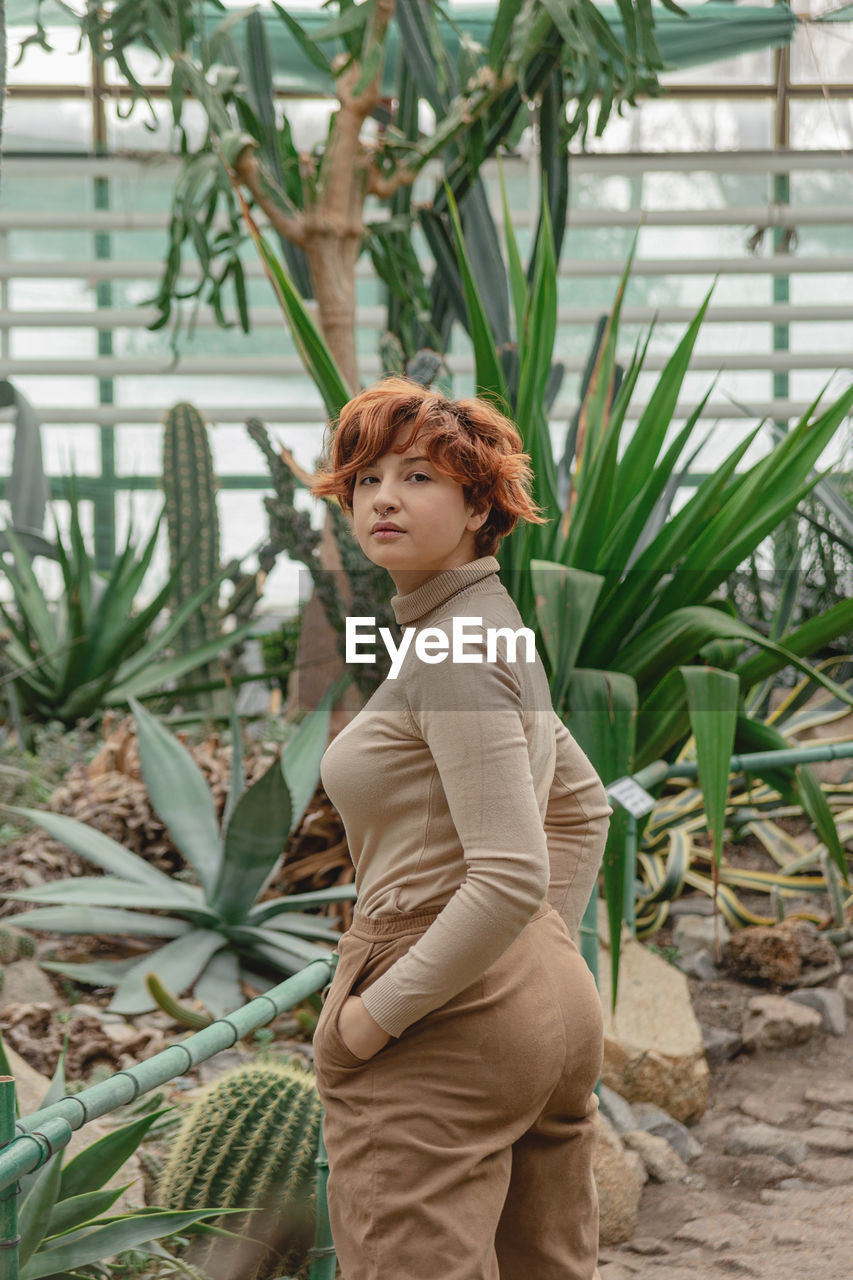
[(622, 592), (378, 60), (91, 649), (64, 1205), (216, 927)]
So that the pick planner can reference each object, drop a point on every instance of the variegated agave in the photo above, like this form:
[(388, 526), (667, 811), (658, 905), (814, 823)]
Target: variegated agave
[(675, 855)]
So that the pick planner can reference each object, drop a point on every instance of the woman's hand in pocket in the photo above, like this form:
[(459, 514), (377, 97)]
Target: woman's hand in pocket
[(361, 1034)]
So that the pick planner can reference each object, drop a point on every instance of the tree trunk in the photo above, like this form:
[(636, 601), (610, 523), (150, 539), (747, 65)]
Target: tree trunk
[(332, 227)]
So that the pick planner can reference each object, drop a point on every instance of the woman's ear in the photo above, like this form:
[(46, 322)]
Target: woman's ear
[(477, 519)]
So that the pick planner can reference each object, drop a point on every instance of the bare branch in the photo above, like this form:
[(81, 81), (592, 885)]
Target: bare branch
[(248, 171), (378, 184)]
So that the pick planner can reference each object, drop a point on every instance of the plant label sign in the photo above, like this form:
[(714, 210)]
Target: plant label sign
[(631, 796)]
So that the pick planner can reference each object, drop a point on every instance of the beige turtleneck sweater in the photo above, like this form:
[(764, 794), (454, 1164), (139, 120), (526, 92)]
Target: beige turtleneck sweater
[(459, 787)]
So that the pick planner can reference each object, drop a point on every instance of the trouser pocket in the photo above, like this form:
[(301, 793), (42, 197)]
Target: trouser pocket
[(329, 1047)]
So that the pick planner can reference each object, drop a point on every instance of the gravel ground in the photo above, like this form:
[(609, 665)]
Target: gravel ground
[(756, 1215)]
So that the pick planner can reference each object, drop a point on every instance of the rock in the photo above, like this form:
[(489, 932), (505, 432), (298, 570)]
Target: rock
[(817, 977), (140, 1042), (616, 1271), (619, 1177), (788, 1234), (780, 955), (774, 1022), (697, 939), (720, 1044), (830, 1171), (765, 1140), (31, 1087), (809, 1202), (830, 1006), (839, 1094), (653, 1049), (844, 986), (619, 1112), (662, 1162), (25, 982), (834, 1120), (770, 1110), (82, 1010), (648, 1246), (716, 1231), (746, 1173), (655, 1120), (840, 1140)]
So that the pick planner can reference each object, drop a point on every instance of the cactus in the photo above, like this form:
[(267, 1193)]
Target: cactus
[(250, 1141), (170, 1004), (15, 946), (189, 484)]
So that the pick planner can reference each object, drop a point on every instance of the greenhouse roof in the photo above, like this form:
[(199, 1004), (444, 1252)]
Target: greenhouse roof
[(710, 32)]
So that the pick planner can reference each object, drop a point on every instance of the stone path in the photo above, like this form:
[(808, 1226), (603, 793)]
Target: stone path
[(771, 1196)]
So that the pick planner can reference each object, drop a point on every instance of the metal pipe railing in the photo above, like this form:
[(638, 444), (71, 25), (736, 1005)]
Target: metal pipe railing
[(300, 413), (90, 269), (367, 315), (588, 163), (29, 1143), (292, 366), (771, 214)]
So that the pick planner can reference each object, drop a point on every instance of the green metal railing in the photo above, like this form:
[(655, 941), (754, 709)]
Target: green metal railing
[(29, 1143)]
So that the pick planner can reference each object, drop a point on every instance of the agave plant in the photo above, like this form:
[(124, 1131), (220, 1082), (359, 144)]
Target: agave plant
[(215, 928), (27, 487), (63, 1207), (91, 650)]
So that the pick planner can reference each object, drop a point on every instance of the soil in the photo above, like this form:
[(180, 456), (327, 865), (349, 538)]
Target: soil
[(752, 1216)]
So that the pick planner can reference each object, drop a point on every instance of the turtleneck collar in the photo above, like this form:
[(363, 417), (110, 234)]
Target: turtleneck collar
[(428, 597), (416, 604)]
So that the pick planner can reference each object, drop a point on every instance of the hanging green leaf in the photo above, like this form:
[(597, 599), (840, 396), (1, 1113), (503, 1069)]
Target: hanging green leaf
[(712, 703)]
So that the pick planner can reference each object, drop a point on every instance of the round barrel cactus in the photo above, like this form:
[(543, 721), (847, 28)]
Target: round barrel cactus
[(250, 1141)]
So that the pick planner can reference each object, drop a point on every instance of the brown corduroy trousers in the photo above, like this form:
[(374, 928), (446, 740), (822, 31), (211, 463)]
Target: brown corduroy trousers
[(463, 1149)]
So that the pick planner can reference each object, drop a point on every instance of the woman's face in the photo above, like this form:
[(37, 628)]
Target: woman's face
[(437, 526)]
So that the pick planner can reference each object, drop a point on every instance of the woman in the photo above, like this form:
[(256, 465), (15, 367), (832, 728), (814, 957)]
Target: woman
[(461, 1039)]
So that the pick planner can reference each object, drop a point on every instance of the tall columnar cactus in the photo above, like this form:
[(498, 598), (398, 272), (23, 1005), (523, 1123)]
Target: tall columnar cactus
[(189, 484), (250, 1140)]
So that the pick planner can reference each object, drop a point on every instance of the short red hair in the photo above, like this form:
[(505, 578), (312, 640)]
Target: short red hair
[(469, 440)]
